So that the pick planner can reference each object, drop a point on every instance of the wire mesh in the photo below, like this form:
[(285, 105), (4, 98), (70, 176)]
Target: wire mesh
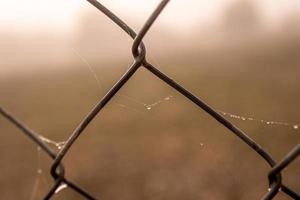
[(139, 60)]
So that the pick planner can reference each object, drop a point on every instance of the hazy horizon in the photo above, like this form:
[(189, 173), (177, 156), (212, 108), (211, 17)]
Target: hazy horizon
[(32, 35), (150, 142)]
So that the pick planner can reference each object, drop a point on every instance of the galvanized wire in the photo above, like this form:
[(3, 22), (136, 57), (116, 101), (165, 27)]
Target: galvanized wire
[(139, 60)]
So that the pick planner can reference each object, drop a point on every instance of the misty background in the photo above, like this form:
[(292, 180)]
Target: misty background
[(195, 26), (58, 58)]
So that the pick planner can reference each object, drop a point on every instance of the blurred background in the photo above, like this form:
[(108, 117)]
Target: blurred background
[(59, 57)]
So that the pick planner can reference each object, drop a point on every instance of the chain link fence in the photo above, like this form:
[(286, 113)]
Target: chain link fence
[(139, 60)]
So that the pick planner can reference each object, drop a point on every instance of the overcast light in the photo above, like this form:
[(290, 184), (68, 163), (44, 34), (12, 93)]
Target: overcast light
[(62, 15)]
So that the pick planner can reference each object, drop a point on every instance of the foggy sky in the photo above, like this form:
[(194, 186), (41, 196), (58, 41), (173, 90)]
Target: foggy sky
[(42, 40)]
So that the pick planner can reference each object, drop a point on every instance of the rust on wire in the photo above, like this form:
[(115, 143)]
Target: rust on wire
[(139, 60)]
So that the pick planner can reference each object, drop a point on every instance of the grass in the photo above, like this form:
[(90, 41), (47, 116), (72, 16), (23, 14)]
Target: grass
[(174, 150)]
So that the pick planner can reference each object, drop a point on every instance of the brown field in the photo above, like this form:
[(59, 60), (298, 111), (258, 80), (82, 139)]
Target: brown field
[(172, 151)]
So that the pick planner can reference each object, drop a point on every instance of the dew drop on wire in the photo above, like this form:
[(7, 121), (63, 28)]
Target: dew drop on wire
[(60, 188), (60, 146), (148, 108)]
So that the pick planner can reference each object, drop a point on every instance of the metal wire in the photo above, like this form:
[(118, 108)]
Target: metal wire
[(139, 60)]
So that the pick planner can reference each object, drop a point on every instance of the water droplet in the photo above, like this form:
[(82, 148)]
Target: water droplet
[(243, 118), (167, 98), (61, 187), (60, 145), (268, 122), (201, 144), (295, 126), (148, 107), (269, 189)]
